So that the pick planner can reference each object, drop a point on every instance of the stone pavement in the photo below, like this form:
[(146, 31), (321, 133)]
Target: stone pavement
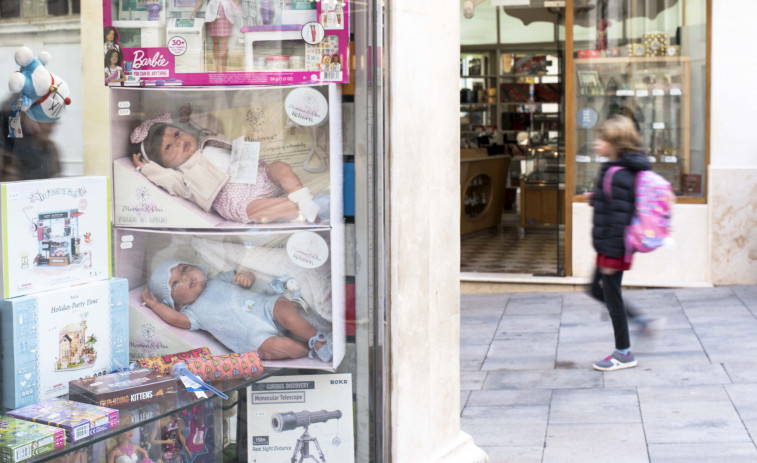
[(529, 392)]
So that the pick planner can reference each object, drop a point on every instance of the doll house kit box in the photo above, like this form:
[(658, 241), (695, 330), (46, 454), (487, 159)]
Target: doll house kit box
[(232, 158), (79, 420), (56, 233), (225, 42), (286, 414), (55, 336), (21, 439), (299, 270)]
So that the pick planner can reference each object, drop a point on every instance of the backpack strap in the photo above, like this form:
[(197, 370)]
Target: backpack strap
[(607, 181)]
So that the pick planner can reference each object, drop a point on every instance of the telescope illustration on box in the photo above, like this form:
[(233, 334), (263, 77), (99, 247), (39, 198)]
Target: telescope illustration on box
[(287, 421)]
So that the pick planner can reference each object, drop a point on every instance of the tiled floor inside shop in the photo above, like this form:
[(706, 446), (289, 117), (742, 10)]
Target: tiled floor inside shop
[(505, 250)]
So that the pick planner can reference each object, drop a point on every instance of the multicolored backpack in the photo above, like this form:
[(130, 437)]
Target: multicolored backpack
[(651, 222)]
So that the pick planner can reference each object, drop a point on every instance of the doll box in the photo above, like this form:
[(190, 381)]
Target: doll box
[(294, 127), (50, 338), (21, 439), (282, 410), (79, 420), (56, 233), (224, 42), (312, 258), (123, 389)]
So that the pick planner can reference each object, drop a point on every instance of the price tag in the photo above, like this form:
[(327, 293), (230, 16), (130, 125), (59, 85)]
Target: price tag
[(658, 92), (626, 92), (651, 159), (658, 125), (601, 159), (642, 92), (583, 158), (670, 159), (676, 92)]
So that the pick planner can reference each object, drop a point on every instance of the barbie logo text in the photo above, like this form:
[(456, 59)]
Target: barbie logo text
[(156, 61)]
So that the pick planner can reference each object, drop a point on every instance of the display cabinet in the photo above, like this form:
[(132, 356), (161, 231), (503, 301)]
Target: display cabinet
[(213, 418), (654, 91), (478, 98)]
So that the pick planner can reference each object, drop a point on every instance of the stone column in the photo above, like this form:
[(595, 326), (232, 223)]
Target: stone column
[(423, 203)]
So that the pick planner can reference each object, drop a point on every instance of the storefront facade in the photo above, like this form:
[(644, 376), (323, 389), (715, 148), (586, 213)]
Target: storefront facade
[(605, 61)]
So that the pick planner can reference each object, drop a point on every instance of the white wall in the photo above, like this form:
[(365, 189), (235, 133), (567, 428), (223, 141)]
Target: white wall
[(732, 189), (686, 264)]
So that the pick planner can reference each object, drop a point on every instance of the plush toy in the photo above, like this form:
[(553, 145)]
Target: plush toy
[(44, 95)]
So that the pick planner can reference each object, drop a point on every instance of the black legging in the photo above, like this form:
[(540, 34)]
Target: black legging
[(607, 289)]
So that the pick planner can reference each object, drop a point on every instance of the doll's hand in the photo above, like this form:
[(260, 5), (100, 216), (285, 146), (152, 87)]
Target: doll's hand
[(244, 279), (138, 160), (149, 298)]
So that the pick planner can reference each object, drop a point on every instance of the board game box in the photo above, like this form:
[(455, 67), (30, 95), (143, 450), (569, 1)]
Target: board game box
[(79, 420), (123, 389), (21, 439)]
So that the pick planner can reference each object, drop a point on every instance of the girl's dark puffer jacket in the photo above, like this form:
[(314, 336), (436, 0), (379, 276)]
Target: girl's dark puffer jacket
[(612, 216)]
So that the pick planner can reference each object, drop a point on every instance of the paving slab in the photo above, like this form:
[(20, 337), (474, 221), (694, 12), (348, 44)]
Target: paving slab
[(543, 379), (514, 454), (483, 300), (744, 399), (525, 352), (667, 375), (472, 356), (710, 452), (587, 406), (477, 334), (512, 324), (505, 426), (690, 415), (595, 443), (472, 380), (510, 398)]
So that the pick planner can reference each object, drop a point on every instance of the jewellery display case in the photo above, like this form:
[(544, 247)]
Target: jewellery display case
[(654, 91)]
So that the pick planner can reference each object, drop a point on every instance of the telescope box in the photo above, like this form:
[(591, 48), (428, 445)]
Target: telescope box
[(281, 409), (55, 234), (313, 258), (55, 336)]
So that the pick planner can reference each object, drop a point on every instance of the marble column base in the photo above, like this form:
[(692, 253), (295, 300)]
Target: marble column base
[(463, 451)]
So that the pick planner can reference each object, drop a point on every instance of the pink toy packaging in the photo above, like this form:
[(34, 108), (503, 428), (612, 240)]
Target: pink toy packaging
[(235, 293), (225, 42), (226, 157)]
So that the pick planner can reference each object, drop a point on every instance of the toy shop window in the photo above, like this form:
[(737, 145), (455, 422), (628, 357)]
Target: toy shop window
[(63, 7), (10, 9)]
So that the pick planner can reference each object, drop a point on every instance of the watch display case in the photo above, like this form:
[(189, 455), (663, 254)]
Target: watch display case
[(654, 91)]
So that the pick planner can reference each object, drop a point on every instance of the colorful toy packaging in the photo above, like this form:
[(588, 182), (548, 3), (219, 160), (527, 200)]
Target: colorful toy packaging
[(21, 439), (123, 389), (79, 420), (287, 414), (51, 338), (243, 158), (225, 42), (56, 233), (211, 368), (302, 271)]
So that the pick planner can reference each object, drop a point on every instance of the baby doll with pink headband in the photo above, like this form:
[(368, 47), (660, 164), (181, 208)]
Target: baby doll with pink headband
[(194, 163)]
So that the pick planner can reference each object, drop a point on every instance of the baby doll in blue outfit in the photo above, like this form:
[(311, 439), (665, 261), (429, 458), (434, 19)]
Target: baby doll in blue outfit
[(181, 294)]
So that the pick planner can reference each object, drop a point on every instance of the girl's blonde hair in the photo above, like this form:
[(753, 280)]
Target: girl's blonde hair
[(620, 132)]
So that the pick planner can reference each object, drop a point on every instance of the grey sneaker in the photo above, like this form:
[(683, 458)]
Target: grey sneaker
[(616, 361)]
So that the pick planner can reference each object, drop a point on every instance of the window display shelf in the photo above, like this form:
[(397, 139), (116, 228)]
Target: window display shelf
[(149, 413)]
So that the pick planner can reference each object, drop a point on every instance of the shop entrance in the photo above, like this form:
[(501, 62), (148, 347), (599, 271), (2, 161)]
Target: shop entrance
[(512, 144)]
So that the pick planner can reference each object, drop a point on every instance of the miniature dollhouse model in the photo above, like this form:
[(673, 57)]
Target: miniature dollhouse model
[(58, 237), (75, 350)]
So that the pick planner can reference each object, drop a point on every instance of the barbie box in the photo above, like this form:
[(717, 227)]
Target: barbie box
[(227, 157), (299, 418), (225, 42), (56, 233), (50, 338), (236, 293)]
